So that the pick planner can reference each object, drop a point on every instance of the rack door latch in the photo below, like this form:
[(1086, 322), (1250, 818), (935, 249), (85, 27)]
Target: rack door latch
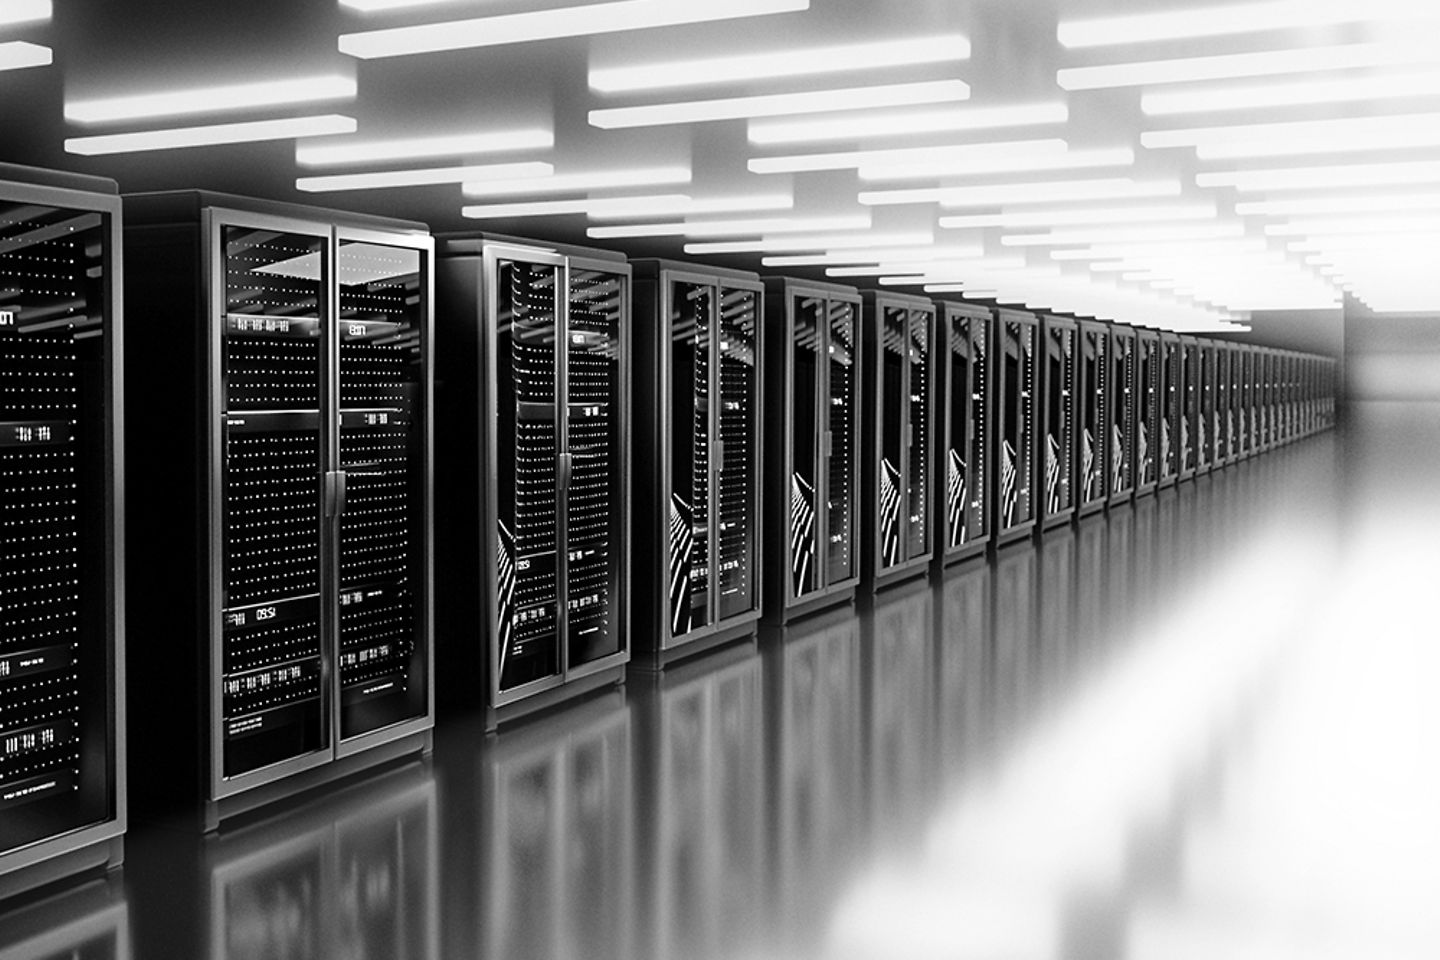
[(334, 493)]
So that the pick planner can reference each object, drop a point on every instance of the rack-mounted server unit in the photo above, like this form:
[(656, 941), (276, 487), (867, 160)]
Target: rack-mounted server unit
[(1171, 406), (1149, 365), (897, 436), (62, 710), (1189, 406), (1059, 337), (1094, 416), (696, 522), (967, 335), (1123, 373), (536, 374), (283, 371), (812, 446), (1016, 362)]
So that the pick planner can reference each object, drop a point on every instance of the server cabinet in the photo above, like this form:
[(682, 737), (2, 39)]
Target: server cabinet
[(1149, 415), (1094, 413), (1172, 358), (812, 444), (1015, 507), (1123, 372), (1058, 401), (1223, 428), (968, 333), (1240, 364), (1253, 414), (1264, 397), (698, 409), (289, 348), (537, 389), (897, 384), (1205, 407), (62, 715), (1189, 406)]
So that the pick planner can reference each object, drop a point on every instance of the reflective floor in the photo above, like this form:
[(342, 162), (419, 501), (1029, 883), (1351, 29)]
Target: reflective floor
[(1201, 726)]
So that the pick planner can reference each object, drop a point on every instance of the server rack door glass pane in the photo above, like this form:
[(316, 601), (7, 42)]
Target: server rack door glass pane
[(527, 564), (1147, 412), (1240, 400), (891, 398), (810, 320), (1169, 408), (383, 664), (56, 772), (1221, 405), (692, 307), (1093, 413), (1059, 425), (595, 508), (273, 702), (979, 421), (1189, 368), (737, 466), (1017, 439), (1205, 406), (1122, 412), (842, 442), (961, 408), (921, 323)]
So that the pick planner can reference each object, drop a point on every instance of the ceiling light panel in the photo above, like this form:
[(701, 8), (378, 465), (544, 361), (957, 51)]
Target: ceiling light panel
[(625, 208), (844, 58), (1080, 217), (25, 11), (1355, 226), (1232, 19), (994, 195), (723, 228), (819, 242), (1207, 99), (213, 135), (193, 100), (875, 255), (1055, 238), (1072, 160), (335, 153), (1363, 203), (581, 182), (1264, 63), (780, 104), (952, 153), (1302, 137), (1325, 177), (421, 178), (893, 124), (18, 55), (577, 21)]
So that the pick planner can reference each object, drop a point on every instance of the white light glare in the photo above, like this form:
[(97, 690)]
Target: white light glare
[(213, 135), (1073, 160), (18, 55), (892, 124), (586, 20), (784, 63), (1413, 83), (721, 228), (24, 11), (779, 104), (580, 182), (1021, 193), (235, 96), (1083, 217), (1231, 19), (415, 148), (421, 178)]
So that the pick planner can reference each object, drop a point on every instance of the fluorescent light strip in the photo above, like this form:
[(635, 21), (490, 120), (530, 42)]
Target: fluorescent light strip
[(874, 255), (422, 178), (380, 6), (1205, 99), (1321, 206), (798, 244), (778, 104), (1306, 133), (1390, 140), (1194, 248), (236, 96), (1350, 226), (748, 68), (25, 11), (1310, 178), (995, 195), (579, 182), (931, 170), (216, 134), (1085, 217), (1232, 19), (957, 153), (1263, 63), (737, 204), (418, 148), (1361, 243), (586, 20), (19, 55), (617, 206), (1055, 238), (721, 228), (891, 124)]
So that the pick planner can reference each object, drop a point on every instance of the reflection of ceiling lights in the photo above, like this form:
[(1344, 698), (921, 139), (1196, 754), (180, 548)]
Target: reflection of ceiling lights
[(236, 96), (844, 58), (1264, 63), (422, 178), (17, 55), (212, 135), (314, 154), (889, 123), (779, 104), (24, 11), (580, 182), (998, 194), (595, 18)]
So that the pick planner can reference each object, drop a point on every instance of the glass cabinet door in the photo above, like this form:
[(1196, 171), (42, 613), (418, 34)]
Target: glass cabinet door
[(273, 700), (1147, 415), (1170, 411), (958, 417), (1122, 407), (1205, 411), (892, 399), (809, 321), (921, 322), (1224, 427), (1019, 421), (737, 473), (979, 426), (383, 670), (1093, 411), (1059, 428), (595, 512), (56, 728), (1189, 363), (841, 423), (527, 447), (692, 307)]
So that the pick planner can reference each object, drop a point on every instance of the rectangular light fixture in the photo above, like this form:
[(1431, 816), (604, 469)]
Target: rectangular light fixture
[(874, 255), (380, 6), (1233, 19), (1326, 177), (1363, 203), (1262, 63), (994, 195), (319, 154), (576, 21), (628, 208), (972, 266), (889, 123), (421, 178), (1143, 234), (1354, 226), (235, 96), (818, 242), (1207, 99), (939, 170), (25, 11), (724, 228), (780, 104), (1081, 217), (1189, 248), (950, 153), (748, 68), (212, 135), (18, 55), (581, 182), (1347, 134)]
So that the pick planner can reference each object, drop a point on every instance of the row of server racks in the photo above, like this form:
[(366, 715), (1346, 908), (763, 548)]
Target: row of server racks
[(638, 460)]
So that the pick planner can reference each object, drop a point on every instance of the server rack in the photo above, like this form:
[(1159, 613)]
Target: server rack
[(811, 445), (1264, 398), (966, 430), (287, 349), (1292, 411), (1015, 506), (1205, 408), (1149, 413), (1240, 400), (1058, 401), (63, 799), (1094, 416), (1189, 406), (1123, 389), (897, 384), (1253, 416), (1223, 428), (699, 408), (1172, 356), (537, 382)]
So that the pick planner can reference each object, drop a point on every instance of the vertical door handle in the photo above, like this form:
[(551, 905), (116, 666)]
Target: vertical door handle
[(565, 466), (717, 454), (827, 444), (334, 493)]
